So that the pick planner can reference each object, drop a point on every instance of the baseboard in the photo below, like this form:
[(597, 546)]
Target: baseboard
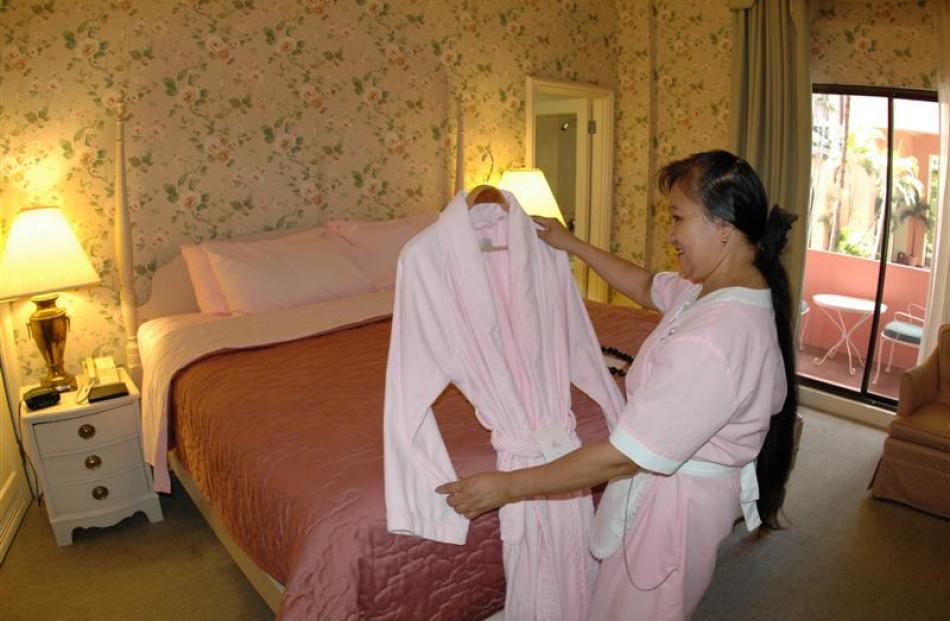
[(14, 501), (845, 408)]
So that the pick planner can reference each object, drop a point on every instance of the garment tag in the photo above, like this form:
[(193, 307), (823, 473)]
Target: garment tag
[(554, 443)]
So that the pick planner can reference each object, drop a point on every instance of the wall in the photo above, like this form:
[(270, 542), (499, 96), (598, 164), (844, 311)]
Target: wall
[(874, 43), (251, 115), (687, 46), (255, 115)]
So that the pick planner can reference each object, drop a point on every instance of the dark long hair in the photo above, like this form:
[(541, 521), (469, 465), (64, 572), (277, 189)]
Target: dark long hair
[(729, 190)]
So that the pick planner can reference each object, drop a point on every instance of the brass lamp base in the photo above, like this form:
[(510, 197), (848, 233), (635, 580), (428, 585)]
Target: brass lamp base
[(49, 326)]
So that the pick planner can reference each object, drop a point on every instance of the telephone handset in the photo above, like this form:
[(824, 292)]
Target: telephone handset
[(102, 380), (102, 369)]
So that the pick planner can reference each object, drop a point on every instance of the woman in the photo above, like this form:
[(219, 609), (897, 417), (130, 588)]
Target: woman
[(710, 397)]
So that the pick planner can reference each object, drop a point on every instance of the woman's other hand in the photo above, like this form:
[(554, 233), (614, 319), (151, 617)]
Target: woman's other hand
[(477, 494), (555, 234)]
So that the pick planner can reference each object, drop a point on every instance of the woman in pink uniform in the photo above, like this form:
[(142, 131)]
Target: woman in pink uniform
[(708, 425)]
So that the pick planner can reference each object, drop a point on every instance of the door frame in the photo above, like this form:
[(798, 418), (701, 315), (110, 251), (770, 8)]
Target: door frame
[(601, 159), (581, 109)]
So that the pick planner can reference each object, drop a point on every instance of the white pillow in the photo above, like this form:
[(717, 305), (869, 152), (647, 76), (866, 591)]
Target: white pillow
[(204, 282), (279, 273), (376, 245)]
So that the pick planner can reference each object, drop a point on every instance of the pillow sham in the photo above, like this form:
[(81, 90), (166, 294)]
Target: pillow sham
[(280, 273), (376, 245), (211, 299), (204, 283)]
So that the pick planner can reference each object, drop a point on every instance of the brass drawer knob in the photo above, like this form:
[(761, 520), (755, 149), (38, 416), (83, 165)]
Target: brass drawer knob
[(100, 493), (92, 462), (86, 431)]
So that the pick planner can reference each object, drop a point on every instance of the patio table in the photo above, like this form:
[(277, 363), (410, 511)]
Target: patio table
[(836, 307)]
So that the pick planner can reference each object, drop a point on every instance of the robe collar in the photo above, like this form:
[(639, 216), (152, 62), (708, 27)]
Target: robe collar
[(470, 273)]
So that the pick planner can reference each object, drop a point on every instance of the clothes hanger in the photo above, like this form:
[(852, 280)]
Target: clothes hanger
[(487, 194)]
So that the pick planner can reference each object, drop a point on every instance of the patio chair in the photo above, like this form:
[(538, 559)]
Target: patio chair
[(906, 329)]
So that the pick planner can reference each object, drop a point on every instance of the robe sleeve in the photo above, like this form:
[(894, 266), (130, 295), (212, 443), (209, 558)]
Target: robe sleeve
[(415, 457), (688, 395), (588, 371)]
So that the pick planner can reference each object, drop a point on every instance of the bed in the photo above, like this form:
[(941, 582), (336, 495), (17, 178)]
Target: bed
[(273, 421)]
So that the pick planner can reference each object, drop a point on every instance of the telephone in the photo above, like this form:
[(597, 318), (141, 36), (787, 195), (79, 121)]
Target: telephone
[(102, 369), (102, 380)]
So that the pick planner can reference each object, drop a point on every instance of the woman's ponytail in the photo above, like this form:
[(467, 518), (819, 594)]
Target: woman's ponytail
[(775, 459)]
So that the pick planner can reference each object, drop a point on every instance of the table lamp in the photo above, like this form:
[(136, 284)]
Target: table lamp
[(42, 257), (531, 189)]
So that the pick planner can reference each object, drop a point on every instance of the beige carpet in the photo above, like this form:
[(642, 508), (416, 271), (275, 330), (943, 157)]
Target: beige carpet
[(845, 556)]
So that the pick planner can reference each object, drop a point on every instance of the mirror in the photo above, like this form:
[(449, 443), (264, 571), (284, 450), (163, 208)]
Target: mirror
[(569, 136)]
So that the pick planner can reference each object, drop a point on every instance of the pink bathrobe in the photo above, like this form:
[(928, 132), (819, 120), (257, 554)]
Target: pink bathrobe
[(700, 395), (509, 329)]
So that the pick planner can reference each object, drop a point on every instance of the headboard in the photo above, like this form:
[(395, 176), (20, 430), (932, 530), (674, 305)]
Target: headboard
[(171, 292)]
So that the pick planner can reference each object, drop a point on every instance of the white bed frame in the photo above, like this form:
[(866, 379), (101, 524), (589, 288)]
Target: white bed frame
[(172, 294)]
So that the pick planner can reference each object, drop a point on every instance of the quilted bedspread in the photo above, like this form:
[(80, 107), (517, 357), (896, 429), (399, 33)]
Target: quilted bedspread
[(285, 442)]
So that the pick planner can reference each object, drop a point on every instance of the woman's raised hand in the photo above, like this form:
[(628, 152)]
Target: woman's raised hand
[(554, 233), (478, 493)]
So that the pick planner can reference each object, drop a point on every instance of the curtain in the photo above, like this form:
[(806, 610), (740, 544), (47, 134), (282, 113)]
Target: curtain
[(771, 109), (938, 298)]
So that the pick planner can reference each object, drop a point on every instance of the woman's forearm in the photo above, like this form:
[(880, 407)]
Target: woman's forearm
[(590, 465), (624, 276)]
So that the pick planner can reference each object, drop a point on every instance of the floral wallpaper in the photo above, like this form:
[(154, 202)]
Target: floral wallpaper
[(693, 69), (249, 115), (874, 44)]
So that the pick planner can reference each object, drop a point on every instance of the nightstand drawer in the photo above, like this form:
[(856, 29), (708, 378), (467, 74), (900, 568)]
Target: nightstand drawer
[(81, 433), (116, 489), (94, 463)]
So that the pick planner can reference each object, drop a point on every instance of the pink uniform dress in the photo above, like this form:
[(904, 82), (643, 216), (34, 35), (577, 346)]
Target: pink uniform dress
[(700, 395)]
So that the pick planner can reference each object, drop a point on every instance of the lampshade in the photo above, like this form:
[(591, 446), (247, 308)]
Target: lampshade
[(42, 255), (533, 192)]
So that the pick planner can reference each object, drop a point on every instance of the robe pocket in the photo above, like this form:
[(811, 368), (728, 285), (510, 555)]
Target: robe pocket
[(511, 518), (654, 546)]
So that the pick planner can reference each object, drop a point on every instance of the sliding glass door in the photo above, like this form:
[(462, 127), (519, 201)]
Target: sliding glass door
[(871, 220)]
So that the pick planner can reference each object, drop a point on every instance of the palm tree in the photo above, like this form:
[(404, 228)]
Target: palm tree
[(919, 210)]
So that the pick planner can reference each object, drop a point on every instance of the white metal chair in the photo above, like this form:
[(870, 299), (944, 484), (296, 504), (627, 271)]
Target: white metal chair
[(802, 323), (905, 329)]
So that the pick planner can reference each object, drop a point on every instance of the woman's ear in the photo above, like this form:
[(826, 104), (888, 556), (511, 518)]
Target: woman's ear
[(725, 231)]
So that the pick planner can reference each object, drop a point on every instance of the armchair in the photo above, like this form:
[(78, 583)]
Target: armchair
[(915, 465)]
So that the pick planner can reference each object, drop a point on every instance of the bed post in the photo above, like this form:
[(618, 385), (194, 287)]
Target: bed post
[(460, 153), (123, 253)]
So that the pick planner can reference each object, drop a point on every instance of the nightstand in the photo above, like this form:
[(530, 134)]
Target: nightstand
[(89, 463)]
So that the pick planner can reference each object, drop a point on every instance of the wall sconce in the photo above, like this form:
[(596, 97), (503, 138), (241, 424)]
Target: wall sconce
[(41, 258)]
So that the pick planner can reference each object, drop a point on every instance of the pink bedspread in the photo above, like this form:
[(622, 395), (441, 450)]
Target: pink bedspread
[(285, 441)]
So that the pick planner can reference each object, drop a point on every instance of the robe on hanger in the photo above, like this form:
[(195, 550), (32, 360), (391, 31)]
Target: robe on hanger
[(510, 330)]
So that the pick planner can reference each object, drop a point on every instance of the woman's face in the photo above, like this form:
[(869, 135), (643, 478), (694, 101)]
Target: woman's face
[(698, 240)]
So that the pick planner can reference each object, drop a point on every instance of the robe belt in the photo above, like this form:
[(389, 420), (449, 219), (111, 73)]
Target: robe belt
[(547, 443), (748, 485)]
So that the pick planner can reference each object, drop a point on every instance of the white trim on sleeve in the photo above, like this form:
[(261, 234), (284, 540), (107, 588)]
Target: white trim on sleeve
[(641, 455)]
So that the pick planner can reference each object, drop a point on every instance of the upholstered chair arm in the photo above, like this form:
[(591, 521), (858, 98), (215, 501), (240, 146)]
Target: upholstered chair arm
[(919, 386)]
